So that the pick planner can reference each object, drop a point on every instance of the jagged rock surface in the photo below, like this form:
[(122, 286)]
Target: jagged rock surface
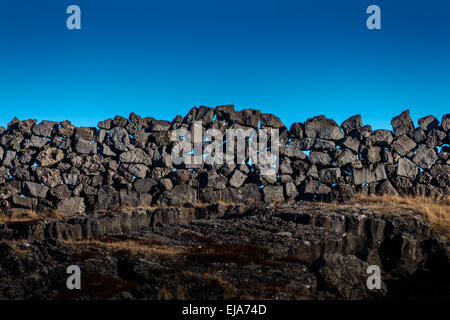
[(297, 251)]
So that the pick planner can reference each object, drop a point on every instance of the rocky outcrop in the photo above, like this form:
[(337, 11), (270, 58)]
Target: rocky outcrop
[(51, 166), (307, 250)]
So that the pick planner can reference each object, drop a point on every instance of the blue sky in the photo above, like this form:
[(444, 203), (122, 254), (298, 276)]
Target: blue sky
[(295, 59)]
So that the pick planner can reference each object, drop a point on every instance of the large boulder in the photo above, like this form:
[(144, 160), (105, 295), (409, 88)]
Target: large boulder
[(380, 137), (129, 198), (135, 156), (108, 199), (162, 158), (204, 114), (216, 181), (70, 206), (247, 192), (273, 193), (45, 128), (403, 145), (85, 147), (352, 124), (49, 157), (120, 121), (84, 133), (290, 190), (22, 202), (313, 190), (295, 153), (323, 128), (144, 185), (445, 122), (315, 144), (429, 122), (270, 121), (34, 190), (60, 192), (371, 154), (402, 124), (345, 158), (386, 188), (419, 135), (247, 117), (225, 112), (106, 150), (8, 157), (179, 195), (120, 138), (36, 142), (436, 137), (70, 178), (406, 168), (22, 126), (50, 177), (296, 130), (321, 158), (157, 125), (105, 124), (347, 276), (351, 143), (136, 120), (425, 157), (330, 175), (363, 176), (138, 170), (66, 129), (237, 179)]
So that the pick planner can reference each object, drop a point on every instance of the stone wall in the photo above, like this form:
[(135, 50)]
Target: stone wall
[(122, 162)]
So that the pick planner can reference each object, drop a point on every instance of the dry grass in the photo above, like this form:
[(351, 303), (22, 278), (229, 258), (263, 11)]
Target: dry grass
[(437, 212), (19, 215), (133, 247)]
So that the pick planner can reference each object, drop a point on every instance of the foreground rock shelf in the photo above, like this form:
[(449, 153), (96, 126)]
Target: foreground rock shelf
[(288, 251)]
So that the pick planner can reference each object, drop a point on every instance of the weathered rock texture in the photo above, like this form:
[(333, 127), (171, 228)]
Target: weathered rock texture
[(291, 251), (126, 162)]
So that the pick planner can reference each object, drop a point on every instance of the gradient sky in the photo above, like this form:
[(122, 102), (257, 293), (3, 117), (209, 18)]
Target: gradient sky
[(295, 59)]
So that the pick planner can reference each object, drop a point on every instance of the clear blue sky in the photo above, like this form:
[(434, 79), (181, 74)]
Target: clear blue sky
[(292, 58)]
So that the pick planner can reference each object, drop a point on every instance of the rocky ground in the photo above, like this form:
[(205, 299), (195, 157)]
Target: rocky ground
[(299, 250)]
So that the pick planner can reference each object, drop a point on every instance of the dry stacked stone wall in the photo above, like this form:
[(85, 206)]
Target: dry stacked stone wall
[(55, 166)]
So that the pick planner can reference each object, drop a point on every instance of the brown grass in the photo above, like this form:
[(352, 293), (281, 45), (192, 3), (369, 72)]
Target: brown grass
[(20, 216), (140, 247), (436, 212)]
